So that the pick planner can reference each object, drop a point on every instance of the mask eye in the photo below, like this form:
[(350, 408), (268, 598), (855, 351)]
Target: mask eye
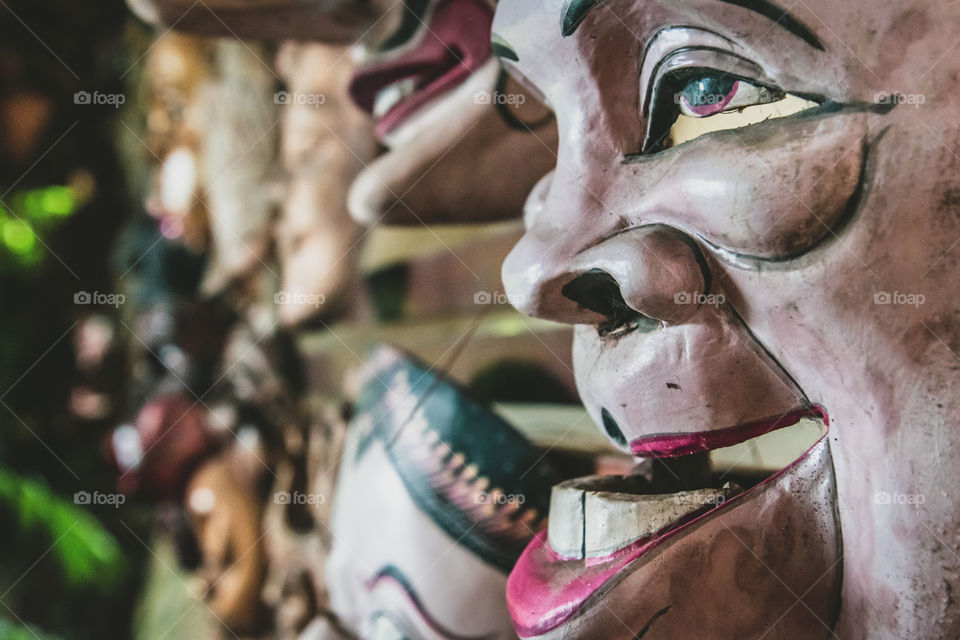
[(708, 95), (689, 103)]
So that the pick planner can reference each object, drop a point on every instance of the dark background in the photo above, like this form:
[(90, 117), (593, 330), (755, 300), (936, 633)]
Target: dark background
[(66, 570)]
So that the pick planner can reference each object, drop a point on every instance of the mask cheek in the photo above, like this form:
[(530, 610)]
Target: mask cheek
[(774, 190)]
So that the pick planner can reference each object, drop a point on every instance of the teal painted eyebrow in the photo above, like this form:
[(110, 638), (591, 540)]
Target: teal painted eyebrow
[(574, 13), (501, 49)]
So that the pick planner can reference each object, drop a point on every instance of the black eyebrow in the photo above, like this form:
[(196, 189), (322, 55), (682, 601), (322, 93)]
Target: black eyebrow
[(575, 12), (781, 17)]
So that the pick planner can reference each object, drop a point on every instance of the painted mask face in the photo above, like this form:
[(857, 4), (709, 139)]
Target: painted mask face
[(464, 141), (324, 144), (225, 514), (752, 218), (435, 500)]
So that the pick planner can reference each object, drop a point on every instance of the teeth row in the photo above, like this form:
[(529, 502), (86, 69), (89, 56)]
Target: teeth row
[(588, 523), (460, 482), (391, 96)]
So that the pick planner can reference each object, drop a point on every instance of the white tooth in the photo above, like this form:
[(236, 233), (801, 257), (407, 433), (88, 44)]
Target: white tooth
[(391, 96), (589, 518), (565, 521)]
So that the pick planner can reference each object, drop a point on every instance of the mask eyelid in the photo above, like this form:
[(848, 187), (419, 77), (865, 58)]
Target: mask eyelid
[(669, 40)]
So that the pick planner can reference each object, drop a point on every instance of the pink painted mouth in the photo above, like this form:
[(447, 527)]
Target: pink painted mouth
[(672, 445), (454, 45), (546, 590)]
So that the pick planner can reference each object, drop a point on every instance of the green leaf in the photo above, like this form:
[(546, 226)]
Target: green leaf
[(88, 554)]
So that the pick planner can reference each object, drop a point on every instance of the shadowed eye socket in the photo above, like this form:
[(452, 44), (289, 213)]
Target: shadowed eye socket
[(691, 102)]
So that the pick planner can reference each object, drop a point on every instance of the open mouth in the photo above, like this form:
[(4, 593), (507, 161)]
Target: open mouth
[(449, 44), (601, 526)]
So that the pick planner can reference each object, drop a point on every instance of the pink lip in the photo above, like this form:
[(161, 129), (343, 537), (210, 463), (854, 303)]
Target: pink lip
[(671, 445), (455, 45), (546, 590)]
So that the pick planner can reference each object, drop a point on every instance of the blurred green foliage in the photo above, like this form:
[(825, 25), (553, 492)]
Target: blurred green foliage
[(31, 213), (15, 631), (88, 555)]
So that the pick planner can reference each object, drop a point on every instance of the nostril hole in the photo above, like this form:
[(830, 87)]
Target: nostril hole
[(599, 291)]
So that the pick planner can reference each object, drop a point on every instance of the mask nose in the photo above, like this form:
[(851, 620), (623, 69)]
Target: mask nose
[(635, 279)]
